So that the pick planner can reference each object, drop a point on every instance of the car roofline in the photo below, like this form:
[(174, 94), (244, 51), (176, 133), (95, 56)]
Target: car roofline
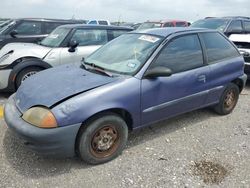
[(165, 32), (89, 26), (48, 20)]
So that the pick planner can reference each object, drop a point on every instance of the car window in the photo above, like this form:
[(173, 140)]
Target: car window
[(56, 37), (29, 28), (50, 26), (247, 26), (103, 22), (211, 23), (148, 25), (181, 54), (235, 26), (168, 24), (180, 24), (218, 47), (117, 33), (86, 37), (92, 22)]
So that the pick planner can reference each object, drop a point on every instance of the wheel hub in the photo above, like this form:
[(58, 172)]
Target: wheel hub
[(229, 99), (104, 141), (28, 75)]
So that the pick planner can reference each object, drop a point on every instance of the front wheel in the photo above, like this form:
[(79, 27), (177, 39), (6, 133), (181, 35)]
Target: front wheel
[(228, 100), (102, 139), (25, 73)]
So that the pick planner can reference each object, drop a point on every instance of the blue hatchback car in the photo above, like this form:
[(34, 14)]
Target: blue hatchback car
[(133, 81)]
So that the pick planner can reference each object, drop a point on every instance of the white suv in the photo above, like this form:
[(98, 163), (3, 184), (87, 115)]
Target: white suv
[(66, 44), (243, 44)]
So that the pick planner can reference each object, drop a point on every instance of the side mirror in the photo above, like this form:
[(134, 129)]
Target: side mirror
[(13, 33), (244, 53), (72, 45), (158, 72)]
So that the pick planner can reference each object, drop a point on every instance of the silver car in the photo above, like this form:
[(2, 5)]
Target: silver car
[(66, 44)]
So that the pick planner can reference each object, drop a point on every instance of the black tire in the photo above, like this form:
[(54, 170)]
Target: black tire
[(25, 72), (228, 100), (102, 139)]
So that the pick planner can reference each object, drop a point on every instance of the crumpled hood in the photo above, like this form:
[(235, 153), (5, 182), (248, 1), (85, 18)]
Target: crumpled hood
[(53, 85), (22, 50)]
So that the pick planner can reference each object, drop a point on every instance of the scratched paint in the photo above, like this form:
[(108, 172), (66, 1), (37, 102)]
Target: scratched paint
[(1, 111)]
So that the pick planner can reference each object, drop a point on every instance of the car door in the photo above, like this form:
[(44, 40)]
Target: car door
[(235, 27), (88, 41), (28, 31), (247, 27), (184, 90), (224, 61)]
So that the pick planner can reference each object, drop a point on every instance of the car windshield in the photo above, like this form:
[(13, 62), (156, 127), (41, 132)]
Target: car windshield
[(125, 54), (4, 26), (55, 38), (218, 24), (148, 25)]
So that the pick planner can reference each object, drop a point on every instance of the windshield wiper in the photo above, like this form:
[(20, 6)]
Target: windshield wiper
[(96, 68)]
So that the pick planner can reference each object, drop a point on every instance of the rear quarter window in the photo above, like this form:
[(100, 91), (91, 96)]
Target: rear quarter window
[(218, 47), (247, 26)]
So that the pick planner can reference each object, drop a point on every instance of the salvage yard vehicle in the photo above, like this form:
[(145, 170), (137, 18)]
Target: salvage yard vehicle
[(66, 44), (163, 23), (227, 25), (243, 44), (99, 22), (30, 29), (133, 81)]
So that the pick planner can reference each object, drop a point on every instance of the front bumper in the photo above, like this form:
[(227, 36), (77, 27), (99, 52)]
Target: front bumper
[(59, 142), (4, 78)]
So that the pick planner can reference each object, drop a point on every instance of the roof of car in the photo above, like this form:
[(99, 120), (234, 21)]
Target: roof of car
[(84, 26), (230, 17), (164, 21), (51, 20), (166, 31)]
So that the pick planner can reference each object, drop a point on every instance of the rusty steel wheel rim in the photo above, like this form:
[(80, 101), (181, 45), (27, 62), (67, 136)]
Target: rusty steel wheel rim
[(230, 100), (105, 141)]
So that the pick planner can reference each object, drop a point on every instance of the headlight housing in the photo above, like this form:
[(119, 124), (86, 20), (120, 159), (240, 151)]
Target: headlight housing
[(6, 56), (41, 117)]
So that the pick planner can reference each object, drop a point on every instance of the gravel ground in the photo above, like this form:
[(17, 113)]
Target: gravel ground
[(197, 149)]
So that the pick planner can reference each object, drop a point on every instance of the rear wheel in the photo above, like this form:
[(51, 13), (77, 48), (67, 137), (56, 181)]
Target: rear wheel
[(25, 73), (228, 100), (102, 139)]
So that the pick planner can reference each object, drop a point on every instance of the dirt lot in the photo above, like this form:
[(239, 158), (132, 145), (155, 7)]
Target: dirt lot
[(192, 150)]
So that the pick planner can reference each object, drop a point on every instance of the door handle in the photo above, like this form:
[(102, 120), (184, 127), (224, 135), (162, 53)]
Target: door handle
[(202, 78)]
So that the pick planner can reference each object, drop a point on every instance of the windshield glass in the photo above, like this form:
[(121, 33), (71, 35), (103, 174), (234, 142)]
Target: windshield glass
[(125, 54), (55, 38), (218, 24), (4, 26), (148, 25)]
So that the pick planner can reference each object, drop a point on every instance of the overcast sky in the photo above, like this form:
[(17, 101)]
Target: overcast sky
[(125, 10)]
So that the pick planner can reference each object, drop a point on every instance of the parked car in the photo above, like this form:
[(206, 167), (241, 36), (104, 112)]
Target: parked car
[(227, 25), (163, 23), (3, 22), (99, 22), (127, 24), (131, 82), (30, 29), (243, 44), (66, 44)]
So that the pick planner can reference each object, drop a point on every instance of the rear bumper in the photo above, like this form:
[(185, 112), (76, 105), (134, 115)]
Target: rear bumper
[(59, 142), (247, 69)]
